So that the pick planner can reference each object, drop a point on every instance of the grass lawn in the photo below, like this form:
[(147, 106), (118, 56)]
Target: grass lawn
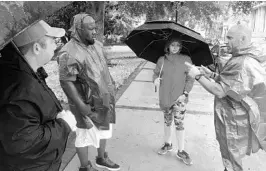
[(120, 70)]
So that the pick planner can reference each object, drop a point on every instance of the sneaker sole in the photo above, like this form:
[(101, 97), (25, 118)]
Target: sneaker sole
[(165, 152), (189, 164), (104, 167)]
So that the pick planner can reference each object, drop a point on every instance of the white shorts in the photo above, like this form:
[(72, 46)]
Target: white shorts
[(92, 137)]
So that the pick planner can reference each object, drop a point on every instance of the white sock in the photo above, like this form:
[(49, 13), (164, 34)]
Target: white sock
[(167, 133), (180, 135)]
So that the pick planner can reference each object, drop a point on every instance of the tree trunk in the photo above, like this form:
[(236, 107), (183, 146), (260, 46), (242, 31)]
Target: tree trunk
[(150, 15)]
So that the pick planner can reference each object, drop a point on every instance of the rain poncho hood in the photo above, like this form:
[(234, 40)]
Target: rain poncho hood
[(76, 26), (240, 116), (87, 65), (253, 52)]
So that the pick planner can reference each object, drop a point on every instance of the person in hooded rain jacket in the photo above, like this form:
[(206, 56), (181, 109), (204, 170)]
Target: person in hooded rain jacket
[(33, 126), (240, 95), (170, 73), (86, 81)]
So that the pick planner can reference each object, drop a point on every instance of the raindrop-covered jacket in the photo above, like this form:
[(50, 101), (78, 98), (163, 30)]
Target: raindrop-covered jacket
[(175, 79), (31, 138), (240, 116), (87, 68)]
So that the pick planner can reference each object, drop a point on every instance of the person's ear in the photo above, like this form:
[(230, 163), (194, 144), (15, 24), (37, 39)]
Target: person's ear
[(36, 48)]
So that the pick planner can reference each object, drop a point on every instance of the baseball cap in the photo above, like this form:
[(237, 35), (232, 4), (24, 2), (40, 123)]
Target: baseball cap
[(36, 32)]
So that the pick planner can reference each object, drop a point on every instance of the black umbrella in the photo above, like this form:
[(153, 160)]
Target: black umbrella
[(148, 41)]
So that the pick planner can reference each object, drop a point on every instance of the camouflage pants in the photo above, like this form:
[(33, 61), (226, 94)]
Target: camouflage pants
[(176, 113)]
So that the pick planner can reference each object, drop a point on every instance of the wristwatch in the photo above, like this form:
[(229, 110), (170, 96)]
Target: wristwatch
[(185, 93), (197, 77)]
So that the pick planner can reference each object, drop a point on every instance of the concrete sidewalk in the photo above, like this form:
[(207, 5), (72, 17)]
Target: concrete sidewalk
[(139, 133)]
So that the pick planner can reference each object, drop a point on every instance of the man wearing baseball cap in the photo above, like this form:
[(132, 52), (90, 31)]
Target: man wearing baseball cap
[(33, 125)]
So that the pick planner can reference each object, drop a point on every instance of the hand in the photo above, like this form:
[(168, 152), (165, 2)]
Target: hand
[(192, 70), (181, 99), (69, 118), (84, 109), (157, 81), (205, 71)]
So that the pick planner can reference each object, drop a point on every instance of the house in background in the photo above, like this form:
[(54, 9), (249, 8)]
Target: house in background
[(258, 23), (258, 26)]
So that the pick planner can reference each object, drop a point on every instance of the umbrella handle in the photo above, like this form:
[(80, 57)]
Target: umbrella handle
[(161, 69)]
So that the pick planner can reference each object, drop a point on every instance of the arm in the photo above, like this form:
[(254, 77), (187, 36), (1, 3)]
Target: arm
[(189, 80), (72, 93), (189, 84), (26, 136), (157, 68), (212, 87), (68, 70), (208, 73)]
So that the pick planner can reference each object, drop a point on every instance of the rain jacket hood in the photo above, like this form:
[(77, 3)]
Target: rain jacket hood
[(253, 52)]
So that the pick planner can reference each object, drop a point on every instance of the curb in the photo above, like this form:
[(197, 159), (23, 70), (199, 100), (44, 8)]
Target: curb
[(120, 90), (70, 151)]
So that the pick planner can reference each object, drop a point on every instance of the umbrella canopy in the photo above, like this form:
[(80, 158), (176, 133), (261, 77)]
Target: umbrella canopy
[(148, 41)]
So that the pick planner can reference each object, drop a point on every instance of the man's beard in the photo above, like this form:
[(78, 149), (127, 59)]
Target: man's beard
[(85, 40), (90, 41)]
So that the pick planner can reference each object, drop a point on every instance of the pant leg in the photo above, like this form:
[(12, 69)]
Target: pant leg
[(168, 120), (179, 111)]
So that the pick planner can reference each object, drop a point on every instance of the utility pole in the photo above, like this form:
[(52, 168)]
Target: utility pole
[(176, 12), (176, 3)]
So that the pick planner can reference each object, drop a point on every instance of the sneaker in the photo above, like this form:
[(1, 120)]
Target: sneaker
[(184, 156), (165, 148), (88, 168), (106, 163)]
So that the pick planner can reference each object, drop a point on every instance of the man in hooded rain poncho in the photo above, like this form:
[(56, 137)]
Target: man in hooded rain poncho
[(85, 78), (240, 96)]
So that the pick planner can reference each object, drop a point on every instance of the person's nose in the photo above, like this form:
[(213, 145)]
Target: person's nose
[(94, 31), (54, 45), (226, 41)]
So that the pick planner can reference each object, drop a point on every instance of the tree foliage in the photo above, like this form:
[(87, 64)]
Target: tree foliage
[(117, 22), (243, 7), (121, 16), (62, 17)]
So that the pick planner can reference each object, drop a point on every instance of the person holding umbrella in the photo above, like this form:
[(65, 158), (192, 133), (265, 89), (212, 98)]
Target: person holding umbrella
[(240, 95), (175, 85)]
